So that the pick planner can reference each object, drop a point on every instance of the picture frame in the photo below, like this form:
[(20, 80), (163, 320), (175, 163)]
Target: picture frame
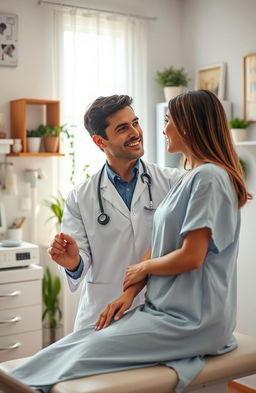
[(212, 78), (8, 40), (249, 100)]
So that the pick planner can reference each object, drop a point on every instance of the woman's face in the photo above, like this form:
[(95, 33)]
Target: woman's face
[(175, 143)]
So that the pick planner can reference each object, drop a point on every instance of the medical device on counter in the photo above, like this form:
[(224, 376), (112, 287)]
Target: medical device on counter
[(23, 254)]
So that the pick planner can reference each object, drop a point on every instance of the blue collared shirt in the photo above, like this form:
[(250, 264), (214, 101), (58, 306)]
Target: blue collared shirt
[(126, 190)]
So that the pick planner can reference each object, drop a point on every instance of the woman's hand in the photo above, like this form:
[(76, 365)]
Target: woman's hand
[(115, 309), (134, 274)]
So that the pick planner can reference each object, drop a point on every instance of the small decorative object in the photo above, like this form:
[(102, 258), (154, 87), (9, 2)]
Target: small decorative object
[(34, 140), (212, 78), (51, 299), (238, 129), (249, 88), (8, 39), (17, 146), (173, 80)]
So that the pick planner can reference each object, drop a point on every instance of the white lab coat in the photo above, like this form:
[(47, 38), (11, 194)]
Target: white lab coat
[(107, 250)]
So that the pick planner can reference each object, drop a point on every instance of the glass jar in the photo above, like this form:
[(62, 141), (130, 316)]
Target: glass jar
[(17, 146)]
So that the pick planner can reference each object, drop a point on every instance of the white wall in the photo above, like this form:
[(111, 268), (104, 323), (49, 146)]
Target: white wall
[(224, 31)]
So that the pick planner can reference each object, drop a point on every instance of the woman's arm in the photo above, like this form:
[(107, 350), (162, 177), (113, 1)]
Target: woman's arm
[(190, 256)]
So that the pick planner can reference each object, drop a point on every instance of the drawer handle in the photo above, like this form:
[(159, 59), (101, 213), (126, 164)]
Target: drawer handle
[(13, 320), (14, 293), (14, 346)]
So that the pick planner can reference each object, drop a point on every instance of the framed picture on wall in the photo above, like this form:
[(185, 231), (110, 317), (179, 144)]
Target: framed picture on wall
[(8, 39), (212, 78), (250, 88)]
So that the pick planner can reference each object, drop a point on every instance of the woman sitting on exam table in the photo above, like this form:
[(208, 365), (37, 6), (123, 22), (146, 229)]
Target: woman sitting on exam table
[(190, 307)]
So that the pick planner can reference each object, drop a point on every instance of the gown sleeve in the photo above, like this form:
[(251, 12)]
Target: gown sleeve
[(214, 206)]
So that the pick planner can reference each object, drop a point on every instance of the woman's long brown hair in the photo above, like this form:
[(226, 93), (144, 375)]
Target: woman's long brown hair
[(201, 122)]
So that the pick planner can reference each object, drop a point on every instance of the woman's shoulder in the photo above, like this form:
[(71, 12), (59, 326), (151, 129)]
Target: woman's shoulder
[(211, 174)]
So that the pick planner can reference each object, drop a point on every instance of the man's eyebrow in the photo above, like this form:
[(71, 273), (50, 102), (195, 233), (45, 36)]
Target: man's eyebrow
[(125, 124)]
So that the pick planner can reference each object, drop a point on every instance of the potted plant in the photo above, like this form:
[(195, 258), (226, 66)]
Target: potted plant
[(56, 205), (51, 300), (52, 138), (173, 80), (238, 129), (34, 140)]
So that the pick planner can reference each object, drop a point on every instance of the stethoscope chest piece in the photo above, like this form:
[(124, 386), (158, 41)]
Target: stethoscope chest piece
[(103, 219)]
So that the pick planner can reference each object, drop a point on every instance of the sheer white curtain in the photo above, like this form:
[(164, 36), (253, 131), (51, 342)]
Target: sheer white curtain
[(97, 55)]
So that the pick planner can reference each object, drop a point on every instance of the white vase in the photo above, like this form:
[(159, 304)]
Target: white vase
[(172, 91), (17, 146), (33, 144), (239, 134)]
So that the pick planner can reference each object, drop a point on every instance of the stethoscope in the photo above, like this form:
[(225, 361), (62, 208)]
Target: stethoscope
[(104, 218)]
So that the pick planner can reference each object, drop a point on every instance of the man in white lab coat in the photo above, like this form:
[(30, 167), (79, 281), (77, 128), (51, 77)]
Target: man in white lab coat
[(107, 220)]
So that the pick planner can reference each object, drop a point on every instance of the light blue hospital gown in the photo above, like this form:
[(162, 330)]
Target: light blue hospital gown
[(185, 316)]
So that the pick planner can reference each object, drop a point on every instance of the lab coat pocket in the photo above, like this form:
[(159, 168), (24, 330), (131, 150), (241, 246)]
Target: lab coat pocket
[(99, 295)]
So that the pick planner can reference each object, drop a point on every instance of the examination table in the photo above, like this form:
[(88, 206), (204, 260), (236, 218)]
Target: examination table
[(214, 378)]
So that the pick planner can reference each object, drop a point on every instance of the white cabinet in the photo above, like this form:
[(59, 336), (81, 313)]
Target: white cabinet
[(20, 312), (163, 158)]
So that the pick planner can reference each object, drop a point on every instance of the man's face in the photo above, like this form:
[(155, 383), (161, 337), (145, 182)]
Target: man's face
[(125, 138)]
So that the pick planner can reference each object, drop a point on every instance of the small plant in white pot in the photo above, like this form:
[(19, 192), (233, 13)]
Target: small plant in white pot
[(33, 140), (173, 80), (238, 129)]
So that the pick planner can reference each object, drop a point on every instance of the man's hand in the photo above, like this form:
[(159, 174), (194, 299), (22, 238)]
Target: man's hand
[(115, 309), (64, 250), (134, 274)]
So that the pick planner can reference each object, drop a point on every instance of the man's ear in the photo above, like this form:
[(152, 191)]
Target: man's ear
[(99, 141)]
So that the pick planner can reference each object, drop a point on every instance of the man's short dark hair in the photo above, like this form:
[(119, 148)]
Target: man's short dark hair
[(95, 118)]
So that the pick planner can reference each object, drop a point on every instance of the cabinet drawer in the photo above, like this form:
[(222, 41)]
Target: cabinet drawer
[(20, 345), (18, 320), (20, 294)]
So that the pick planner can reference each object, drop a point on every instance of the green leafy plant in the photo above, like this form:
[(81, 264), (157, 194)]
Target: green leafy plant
[(51, 292), (238, 123), (56, 205), (85, 170), (172, 77), (71, 139), (34, 133)]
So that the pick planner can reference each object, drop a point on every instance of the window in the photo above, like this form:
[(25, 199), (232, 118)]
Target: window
[(97, 55)]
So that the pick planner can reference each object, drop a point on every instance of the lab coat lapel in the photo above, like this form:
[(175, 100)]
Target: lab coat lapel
[(139, 189), (110, 194)]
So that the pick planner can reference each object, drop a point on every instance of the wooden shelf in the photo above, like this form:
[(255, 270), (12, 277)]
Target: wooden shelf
[(41, 154), (19, 122)]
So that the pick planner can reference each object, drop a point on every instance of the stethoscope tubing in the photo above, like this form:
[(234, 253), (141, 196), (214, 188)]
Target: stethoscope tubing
[(104, 218)]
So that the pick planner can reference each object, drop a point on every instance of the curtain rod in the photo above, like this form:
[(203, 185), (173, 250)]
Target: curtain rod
[(41, 2)]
